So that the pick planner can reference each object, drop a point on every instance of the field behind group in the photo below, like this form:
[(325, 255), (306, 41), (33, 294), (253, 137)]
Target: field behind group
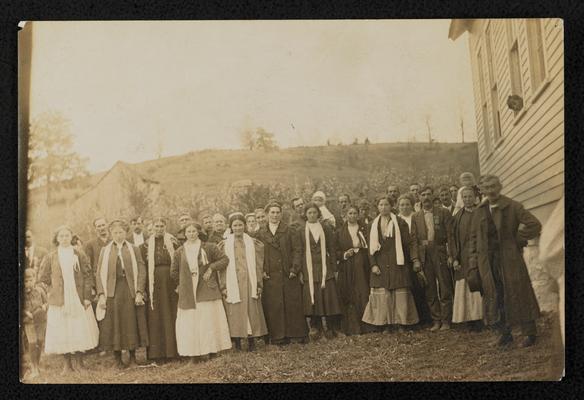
[(206, 179)]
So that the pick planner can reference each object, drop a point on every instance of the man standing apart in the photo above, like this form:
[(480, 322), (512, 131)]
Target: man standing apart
[(501, 229), (433, 227)]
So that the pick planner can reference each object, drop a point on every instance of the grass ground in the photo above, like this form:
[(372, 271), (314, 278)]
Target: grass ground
[(420, 355)]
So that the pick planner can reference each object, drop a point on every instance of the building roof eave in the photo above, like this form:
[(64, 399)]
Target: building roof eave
[(458, 27)]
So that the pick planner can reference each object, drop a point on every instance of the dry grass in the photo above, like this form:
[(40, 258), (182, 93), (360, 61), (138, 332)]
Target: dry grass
[(419, 355)]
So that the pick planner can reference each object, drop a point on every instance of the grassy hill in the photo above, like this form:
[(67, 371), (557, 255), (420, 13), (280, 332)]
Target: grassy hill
[(351, 163), (334, 169)]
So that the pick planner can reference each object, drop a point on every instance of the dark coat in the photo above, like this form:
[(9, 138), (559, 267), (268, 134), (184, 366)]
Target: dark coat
[(442, 229), (331, 254), (51, 275), (92, 249), (111, 276), (460, 244), (215, 237), (393, 276), (181, 274), (282, 295), (37, 258), (515, 226), (354, 271)]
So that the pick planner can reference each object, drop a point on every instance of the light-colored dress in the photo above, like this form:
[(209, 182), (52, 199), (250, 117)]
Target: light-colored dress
[(204, 329), (246, 318), (70, 327)]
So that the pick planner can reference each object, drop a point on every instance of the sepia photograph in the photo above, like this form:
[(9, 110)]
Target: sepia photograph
[(278, 201)]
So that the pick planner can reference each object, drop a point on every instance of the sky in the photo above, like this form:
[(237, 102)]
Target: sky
[(133, 88)]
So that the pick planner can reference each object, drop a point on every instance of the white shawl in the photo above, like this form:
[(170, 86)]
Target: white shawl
[(69, 262), (103, 271), (374, 244), (192, 255), (151, 244), (231, 274), (320, 237)]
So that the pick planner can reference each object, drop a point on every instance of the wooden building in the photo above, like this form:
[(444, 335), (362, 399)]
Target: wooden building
[(518, 81)]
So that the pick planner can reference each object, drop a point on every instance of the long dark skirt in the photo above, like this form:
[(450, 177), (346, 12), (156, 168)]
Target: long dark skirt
[(326, 301), (162, 319), (353, 286), (119, 328)]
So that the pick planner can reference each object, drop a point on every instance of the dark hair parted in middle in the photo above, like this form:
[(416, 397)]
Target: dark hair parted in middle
[(312, 205)]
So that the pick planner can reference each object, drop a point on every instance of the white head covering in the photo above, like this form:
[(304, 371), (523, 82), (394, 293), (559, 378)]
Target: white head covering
[(326, 214), (319, 194)]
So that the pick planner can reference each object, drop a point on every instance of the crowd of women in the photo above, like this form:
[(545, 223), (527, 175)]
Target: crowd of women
[(248, 276)]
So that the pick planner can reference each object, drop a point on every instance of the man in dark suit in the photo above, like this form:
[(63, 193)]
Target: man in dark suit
[(393, 193), (434, 237), (33, 254), (500, 230), (137, 235), (94, 246), (344, 203), (183, 219), (297, 215), (415, 193), (446, 199)]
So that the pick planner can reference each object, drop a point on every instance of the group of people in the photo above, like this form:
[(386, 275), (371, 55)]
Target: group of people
[(448, 256)]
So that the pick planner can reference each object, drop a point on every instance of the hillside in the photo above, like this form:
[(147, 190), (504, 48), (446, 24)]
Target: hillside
[(339, 168), (209, 169)]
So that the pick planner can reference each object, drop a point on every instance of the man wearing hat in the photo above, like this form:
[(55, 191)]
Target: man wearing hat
[(501, 228)]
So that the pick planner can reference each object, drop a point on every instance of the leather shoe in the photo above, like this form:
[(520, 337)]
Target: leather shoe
[(445, 326), (528, 341), (435, 326)]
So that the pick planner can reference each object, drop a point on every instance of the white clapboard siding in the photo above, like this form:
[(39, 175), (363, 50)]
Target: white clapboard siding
[(529, 156)]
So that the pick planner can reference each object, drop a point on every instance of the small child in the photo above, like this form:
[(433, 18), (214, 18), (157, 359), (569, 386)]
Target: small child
[(34, 319)]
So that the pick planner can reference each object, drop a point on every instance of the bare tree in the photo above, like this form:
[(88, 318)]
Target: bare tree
[(427, 119), (51, 157)]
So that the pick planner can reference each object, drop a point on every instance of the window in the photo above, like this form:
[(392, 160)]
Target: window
[(483, 99), (514, 65), (495, 112), (535, 46)]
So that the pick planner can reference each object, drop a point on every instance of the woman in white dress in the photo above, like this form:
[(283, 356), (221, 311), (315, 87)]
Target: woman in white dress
[(243, 282), (71, 325), (201, 323)]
